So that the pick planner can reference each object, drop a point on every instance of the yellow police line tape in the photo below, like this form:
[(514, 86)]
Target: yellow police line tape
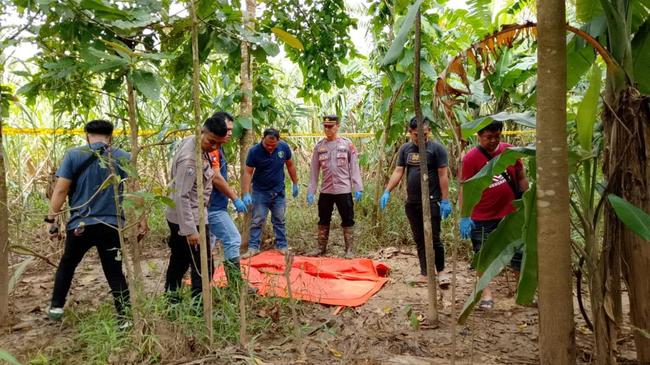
[(10, 131)]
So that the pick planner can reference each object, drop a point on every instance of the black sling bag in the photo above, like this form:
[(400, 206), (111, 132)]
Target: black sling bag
[(94, 155), (513, 185)]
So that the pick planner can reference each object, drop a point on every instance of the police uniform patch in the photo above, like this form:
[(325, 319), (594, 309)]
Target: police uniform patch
[(413, 158)]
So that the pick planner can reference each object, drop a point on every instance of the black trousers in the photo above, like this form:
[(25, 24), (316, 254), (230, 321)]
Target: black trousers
[(414, 215), (107, 241), (344, 205), (184, 256)]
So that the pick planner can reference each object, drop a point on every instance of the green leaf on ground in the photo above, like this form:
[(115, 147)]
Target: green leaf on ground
[(5, 356)]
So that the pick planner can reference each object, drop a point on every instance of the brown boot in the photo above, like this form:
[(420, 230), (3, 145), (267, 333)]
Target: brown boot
[(348, 237), (323, 237)]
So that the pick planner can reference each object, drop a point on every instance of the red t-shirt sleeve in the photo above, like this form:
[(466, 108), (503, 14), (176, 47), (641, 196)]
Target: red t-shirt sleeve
[(469, 166)]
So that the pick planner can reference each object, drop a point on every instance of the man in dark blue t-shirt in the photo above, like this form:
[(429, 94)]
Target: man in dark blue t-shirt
[(222, 227), (408, 160), (94, 218), (265, 164)]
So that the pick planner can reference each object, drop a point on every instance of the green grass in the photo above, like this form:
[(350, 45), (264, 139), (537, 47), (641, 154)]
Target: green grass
[(169, 331)]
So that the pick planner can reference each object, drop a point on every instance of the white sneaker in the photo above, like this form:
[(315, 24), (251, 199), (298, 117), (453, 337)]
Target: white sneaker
[(250, 253), (125, 325), (55, 313)]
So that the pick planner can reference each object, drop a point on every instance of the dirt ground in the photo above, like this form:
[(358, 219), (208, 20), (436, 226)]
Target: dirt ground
[(383, 331)]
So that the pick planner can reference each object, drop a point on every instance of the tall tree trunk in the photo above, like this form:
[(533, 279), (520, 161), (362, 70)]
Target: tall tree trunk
[(133, 185), (128, 232), (556, 325), (4, 236), (627, 170), (246, 106), (203, 245), (424, 179)]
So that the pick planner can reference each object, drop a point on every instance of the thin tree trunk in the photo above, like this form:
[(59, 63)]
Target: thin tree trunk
[(133, 186), (246, 111), (627, 170), (556, 325), (203, 245), (246, 107), (4, 237), (455, 169), (424, 181), (128, 236)]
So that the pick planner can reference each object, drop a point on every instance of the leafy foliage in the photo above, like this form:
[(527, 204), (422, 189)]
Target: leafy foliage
[(473, 188), (634, 218), (401, 38), (525, 119), (322, 27), (587, 110)]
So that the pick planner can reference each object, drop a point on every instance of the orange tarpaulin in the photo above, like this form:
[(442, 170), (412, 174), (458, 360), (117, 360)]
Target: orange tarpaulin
[(326, 280)]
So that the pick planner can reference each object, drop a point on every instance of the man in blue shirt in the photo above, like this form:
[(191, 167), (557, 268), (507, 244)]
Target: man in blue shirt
[(265, 166), (94, 218), (220, 222)]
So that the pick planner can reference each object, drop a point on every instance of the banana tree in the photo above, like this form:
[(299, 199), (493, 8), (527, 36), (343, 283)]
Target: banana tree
[(626, 121)]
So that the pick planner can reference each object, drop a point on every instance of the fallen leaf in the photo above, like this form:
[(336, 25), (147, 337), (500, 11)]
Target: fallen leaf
[(336, 352)]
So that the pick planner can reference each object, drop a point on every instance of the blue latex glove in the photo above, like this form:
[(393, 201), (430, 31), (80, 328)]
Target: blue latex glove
[(310, 198), (383, 201), (240, 207), (248, 200), (358, 195), (445, 208), (466, 225), (295, 190)]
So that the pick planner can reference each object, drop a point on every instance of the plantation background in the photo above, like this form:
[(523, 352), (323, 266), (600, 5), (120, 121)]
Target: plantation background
[(285, 64)]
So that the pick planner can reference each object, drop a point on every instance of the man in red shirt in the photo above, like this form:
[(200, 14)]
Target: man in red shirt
[(496, 201)]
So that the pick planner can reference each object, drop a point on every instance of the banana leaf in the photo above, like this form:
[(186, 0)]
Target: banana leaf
[(473, 187)]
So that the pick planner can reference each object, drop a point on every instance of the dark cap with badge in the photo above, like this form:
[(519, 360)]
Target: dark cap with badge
[(330, 120)]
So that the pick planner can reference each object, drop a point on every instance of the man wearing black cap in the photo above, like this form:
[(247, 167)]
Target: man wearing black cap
[(336, 157), (408, 163)]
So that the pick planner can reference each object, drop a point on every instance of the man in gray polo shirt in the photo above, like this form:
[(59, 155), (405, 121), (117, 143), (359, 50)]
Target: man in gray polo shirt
[(183, 218)]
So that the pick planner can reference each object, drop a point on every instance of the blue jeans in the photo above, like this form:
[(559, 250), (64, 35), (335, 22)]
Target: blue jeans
[(262, 203), (222, 226)]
